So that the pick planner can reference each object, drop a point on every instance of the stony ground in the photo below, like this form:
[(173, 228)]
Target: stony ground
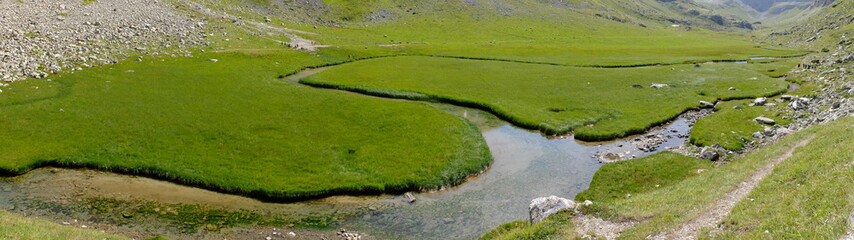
[(42, 37)]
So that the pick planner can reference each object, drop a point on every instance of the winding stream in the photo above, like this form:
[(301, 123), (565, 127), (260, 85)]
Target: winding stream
[(526, 165)]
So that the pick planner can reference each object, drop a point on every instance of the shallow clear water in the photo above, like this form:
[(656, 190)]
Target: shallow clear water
[(526, 165)]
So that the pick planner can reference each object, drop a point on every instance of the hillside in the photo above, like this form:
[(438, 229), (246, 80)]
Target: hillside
[(381, 116)]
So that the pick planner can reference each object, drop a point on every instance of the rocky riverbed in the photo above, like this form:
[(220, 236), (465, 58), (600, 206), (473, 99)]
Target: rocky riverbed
[(43, 37)]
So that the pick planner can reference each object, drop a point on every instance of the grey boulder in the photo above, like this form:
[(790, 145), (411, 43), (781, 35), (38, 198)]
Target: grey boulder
[(541, 208)]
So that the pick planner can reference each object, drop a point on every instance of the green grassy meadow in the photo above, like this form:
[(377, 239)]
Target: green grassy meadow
[(17, 227), (596, 103), (234, 126), (614, 181), (730, 127), (808, 196)]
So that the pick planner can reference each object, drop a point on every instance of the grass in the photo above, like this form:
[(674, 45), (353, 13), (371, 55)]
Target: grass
[(667, 207), (555, 226), (732, 128), (233, 126), (17, 227), (809, 196), (775, 68), (614, 181), (553, 99)]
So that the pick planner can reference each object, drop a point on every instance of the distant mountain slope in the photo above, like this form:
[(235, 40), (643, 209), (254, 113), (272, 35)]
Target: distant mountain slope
[(765, 5)]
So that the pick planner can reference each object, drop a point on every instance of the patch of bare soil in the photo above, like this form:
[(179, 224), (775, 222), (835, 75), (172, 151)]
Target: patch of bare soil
[(850, 235), (261, 29), (723, 206), (596, 228)]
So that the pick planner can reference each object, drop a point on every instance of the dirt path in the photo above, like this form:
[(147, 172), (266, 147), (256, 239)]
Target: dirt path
[(722, 207), (850, 235), (599, 228), (261, 29)]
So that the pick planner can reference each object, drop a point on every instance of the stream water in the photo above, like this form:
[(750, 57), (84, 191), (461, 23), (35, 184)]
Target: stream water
[(526, 165)]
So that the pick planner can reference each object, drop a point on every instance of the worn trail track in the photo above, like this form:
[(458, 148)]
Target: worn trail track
[(715, 213)]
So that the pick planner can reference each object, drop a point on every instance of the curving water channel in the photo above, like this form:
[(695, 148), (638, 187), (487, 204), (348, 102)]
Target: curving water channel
[(526, 165)]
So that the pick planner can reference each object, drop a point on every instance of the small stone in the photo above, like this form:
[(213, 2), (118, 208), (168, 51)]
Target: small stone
[(760, 101), (410, 198), (213, 60), (732, 89), (768, 131), (292, 234), (765, 120), (710, 155), (736, 107), (658, 85), (705, 104)]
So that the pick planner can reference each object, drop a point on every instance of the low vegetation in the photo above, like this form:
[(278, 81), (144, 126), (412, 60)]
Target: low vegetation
[(17, 227), (808, 196), (232, 125), (553, 99), (732, 127), (556, 226), (618, 180)]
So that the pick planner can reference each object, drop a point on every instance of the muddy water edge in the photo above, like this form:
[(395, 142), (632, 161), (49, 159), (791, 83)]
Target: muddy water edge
[(526, 165)]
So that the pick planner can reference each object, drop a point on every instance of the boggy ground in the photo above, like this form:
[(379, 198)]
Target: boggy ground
[(597, 103), (229, 124), (232, 125)]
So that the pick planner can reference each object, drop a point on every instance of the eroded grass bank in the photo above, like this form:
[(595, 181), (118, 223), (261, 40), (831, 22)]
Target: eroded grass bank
[(233, 126), (596, 103), (806, 196)]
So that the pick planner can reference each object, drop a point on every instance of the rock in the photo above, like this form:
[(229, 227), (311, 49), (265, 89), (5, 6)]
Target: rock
[(705, 104), (768, 131), (410, 198), (736, 107), (710, 155), (213, 60), (658, 85), (637, 86), (696, 65), (732, 89), (587, 203), (787, 97), (541, 208), (267, 19), (760, 101), (765, 120), (799, 104)]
